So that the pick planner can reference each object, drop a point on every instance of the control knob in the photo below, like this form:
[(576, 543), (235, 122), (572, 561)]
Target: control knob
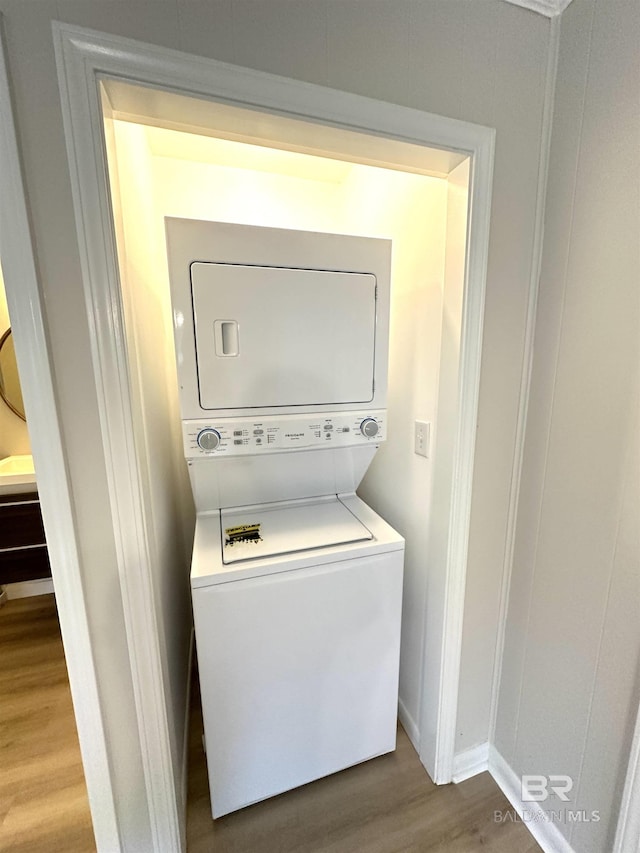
[(369, 427), (208, 439)]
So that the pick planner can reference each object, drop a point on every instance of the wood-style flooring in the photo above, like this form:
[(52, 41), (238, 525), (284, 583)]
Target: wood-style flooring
[(386, 805), (43, 797)]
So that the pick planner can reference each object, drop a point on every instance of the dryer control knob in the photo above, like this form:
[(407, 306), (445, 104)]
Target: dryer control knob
[(208, 439), (369, 427)]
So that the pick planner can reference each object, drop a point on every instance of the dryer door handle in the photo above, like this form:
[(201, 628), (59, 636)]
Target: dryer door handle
[(227, 338)]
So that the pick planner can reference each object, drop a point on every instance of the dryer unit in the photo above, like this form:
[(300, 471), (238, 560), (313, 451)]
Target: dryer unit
[(282, 344)]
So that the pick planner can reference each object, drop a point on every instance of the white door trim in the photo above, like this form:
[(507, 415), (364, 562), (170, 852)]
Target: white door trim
[(32, 351), (438, 756), (82, 57), (82, 116), (527, 365), (627, 838)]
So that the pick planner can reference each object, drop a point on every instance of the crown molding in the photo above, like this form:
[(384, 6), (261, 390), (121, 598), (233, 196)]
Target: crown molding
[(548, 8)]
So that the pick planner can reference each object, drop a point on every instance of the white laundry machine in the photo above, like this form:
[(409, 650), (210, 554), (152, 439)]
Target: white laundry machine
[(281, 344)]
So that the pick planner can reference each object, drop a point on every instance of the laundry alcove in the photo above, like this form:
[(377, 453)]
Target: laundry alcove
[(208, 161)]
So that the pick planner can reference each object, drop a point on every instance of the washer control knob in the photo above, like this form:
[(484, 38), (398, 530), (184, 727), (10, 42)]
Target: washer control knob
[(369, 427), (208, 439)]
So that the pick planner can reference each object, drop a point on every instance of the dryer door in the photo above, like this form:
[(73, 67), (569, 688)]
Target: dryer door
[(268, 337)]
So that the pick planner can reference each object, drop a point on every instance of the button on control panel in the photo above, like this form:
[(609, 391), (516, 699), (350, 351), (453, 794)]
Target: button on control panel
[(245, 436)]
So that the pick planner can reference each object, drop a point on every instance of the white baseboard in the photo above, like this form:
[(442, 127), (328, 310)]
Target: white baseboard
[(25, 589), (470, 762), (184, 779), (187, 715), (546, 833), (409, 725)]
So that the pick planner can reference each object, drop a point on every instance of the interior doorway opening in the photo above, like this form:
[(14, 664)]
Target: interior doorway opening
[(24, 564), (172, 155), (38, 740)]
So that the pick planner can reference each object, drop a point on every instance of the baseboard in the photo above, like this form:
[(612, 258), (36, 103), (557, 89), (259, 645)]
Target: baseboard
[(25, 589), (545, 832), (409, 725), (187, 714), (470, 762)]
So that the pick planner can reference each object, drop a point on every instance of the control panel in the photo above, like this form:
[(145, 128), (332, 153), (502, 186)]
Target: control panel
[(249, 436)]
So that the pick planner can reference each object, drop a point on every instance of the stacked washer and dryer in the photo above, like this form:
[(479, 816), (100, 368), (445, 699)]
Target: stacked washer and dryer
[(282, 346)]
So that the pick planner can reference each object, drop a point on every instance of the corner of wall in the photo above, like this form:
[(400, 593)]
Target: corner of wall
[(527, 362)]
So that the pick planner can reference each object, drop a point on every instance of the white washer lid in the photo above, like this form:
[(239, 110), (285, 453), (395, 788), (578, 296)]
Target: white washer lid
[(266, 530)]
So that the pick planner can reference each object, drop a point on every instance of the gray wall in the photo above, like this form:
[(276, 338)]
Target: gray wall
[(570, 683), (480, 61)]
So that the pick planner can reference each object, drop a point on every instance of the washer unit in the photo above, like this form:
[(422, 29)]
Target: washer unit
[(282, 345)]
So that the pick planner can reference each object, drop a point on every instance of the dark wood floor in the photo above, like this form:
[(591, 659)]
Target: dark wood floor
[(43, 797), (386, 805)]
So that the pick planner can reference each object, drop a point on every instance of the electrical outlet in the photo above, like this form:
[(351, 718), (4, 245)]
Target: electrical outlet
[(422, 437)]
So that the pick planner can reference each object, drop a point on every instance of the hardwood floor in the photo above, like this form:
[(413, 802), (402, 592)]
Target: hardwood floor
[(383, 806), (43, 798)]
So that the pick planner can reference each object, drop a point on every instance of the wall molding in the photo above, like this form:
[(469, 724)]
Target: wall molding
[(187, 719), (546, 833), (471, 762), (627, 838), (36, 376), (548, 8), (79, 63), (527, 365)]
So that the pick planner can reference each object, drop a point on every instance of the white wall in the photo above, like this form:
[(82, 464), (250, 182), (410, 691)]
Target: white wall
[(399, 483), (14, 436), (482, 62), (195, 190), (570, 681)]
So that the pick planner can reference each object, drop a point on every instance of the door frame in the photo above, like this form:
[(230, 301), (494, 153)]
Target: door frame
[(83, 56), (26, 308), (627, 839)]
